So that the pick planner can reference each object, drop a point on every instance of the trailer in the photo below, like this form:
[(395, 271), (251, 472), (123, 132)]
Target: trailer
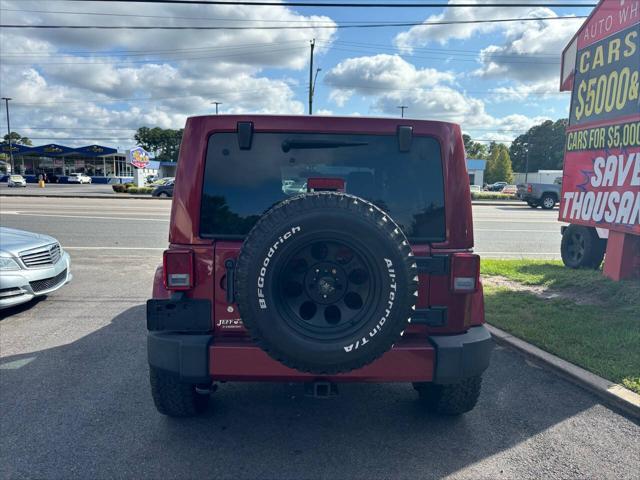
[(601, 175)]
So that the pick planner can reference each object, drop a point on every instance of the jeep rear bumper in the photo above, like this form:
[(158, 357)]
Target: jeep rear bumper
[(199, 358)]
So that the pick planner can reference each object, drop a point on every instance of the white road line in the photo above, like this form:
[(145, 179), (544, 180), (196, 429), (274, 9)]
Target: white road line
[(141, 219)]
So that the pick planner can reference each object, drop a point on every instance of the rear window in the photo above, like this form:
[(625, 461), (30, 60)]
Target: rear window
[(239, 185)]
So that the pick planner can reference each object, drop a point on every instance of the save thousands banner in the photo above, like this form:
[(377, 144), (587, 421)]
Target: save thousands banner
[(601, 179)]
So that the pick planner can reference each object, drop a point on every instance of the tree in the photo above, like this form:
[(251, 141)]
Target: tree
[(498, 165), (17, 139), (474, 149), (543, 144), (164, 143)]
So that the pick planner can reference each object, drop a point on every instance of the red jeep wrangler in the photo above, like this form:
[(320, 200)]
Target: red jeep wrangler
[(318, 250)]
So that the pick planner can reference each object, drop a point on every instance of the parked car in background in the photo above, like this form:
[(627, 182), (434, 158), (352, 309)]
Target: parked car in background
[(475, 188), (161, 181), (151, 178), (496, 187), (510, 189), (16, 181), (164, 190), (544, 195), (31, 265), (78, 178)]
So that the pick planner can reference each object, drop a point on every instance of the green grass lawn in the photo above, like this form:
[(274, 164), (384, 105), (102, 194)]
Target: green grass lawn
[(603, 337)]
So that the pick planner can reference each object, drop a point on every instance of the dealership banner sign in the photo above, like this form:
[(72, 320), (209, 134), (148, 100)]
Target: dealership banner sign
[(601, 180), (138, 157)]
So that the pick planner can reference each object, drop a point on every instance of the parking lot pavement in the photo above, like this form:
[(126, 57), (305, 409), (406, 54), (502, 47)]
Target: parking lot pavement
[(75, 403), (75, 400)]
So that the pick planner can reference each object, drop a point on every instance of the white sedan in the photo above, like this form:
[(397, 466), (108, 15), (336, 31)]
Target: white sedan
[(16, 181), (78, 178), (31, 265)]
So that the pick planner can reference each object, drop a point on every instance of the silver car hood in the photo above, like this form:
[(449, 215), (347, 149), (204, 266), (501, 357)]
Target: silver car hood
[(13, 241)]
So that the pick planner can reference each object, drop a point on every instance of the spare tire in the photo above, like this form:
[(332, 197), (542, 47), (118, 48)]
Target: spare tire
[(325, 282)]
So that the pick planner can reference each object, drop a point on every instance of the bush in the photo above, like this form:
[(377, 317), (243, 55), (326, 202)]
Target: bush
[(118, 188), (491, 196), (140, 190)]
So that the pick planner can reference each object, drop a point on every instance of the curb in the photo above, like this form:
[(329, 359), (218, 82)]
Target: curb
[(105, 196), (612, 394)]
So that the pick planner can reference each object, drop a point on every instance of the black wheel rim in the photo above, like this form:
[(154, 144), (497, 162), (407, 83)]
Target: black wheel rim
[(326, 289), (576, 247)]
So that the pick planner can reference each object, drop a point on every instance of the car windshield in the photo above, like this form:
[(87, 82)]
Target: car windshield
[(241, 184)]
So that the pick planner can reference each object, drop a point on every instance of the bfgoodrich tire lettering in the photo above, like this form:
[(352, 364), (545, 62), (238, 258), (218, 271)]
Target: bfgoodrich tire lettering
[(325, 282)]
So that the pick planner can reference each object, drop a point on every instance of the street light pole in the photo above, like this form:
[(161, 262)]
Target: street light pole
[(402, 109), (216, 104), (526, 168), (6, 102)]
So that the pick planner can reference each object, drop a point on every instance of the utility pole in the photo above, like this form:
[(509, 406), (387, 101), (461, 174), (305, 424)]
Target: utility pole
[(313, 45), (526, 168), (6, 102), (402, 109), (216, 104)]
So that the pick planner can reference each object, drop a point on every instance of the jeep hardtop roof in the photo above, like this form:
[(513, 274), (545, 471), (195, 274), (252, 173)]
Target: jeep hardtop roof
[(185, 215)]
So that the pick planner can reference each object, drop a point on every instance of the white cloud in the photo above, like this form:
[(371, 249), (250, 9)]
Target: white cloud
[(389, 81), (422, 35), (527, 54), (365, 75), (54, 84)]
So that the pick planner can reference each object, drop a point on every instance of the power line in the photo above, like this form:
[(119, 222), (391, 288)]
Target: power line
[(154, 99), (522, 61), (348, 5), (182, 59), (173, 17), (292, 27), (135, 53), (454, 51)]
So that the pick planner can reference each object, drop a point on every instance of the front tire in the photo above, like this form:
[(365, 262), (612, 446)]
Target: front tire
[(174, 398), (450, 399)]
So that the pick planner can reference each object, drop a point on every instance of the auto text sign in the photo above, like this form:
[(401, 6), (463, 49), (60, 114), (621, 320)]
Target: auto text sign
[(601, 178), (138, 157)]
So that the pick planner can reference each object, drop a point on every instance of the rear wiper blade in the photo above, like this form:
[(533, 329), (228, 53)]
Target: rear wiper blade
[(311, 144)]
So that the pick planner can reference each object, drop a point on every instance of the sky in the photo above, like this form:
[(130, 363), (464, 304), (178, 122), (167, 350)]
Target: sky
[(79, 87)]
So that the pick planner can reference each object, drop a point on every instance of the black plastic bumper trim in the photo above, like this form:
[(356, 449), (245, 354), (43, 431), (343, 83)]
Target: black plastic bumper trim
[(181, 354), (462, 356), (179, 315)]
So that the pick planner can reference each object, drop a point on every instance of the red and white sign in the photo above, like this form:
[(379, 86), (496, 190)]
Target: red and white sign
[(601, 179), (138, 157)]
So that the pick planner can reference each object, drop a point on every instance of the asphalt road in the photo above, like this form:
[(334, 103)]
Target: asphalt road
[(75, 403), (501, 231)]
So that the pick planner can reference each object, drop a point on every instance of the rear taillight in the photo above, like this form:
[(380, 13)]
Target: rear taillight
[(529, 189), (178, 269), (465, 272)]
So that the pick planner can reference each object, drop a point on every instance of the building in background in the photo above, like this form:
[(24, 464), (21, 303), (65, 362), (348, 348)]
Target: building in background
[(103, 164), (475, 169)]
